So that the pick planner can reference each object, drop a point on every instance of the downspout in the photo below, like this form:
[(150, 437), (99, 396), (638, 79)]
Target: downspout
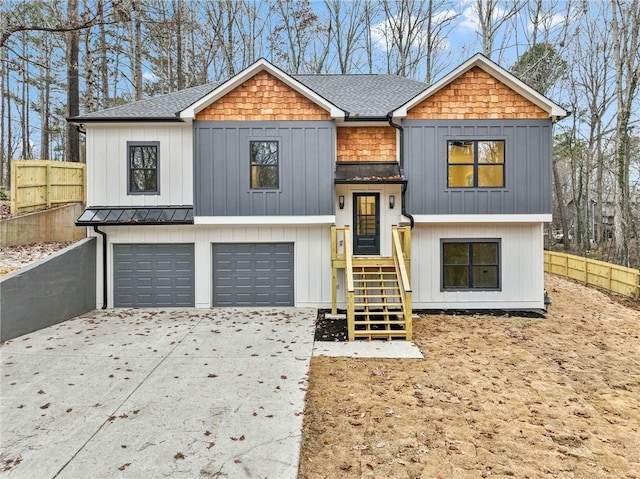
[(104, 265), (401, 162)]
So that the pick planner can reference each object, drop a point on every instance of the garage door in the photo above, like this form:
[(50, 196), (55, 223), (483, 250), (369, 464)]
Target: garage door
[(253, 274), (153, 275)]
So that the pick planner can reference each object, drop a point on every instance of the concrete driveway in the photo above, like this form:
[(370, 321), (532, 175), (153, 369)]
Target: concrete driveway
[(152, 394)]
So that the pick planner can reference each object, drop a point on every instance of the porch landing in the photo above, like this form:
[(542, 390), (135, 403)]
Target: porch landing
[(396, 349)]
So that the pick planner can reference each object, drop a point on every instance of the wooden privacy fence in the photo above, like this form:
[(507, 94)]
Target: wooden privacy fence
[(614, 278), (40, 184)]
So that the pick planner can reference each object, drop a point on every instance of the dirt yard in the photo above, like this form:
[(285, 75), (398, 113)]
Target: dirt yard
[(15, 257), (494, 397)]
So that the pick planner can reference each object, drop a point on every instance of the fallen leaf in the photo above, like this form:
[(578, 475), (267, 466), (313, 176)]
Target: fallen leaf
[(124, 466), (207, 433), (45, 406), (179, 455)]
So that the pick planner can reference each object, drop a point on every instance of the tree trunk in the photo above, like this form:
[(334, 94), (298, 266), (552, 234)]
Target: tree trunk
[(73, 89), (627, 70), (104, 62), (561, 205), (4, 75), (137, 51)]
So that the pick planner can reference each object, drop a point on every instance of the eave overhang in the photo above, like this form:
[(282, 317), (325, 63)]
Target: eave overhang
[(79, 120), (556, 112), (260, 65), (136, 215)]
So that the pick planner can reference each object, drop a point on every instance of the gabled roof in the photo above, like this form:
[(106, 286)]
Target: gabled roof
[(555, 111), (343, 96), (352, 96), (259, 66)]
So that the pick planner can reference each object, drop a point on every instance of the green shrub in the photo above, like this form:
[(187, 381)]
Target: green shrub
[(3, 195)]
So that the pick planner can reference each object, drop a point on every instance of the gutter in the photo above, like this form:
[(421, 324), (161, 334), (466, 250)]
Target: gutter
[(104, 265), (348, 117), (400, 128), (125, 119)]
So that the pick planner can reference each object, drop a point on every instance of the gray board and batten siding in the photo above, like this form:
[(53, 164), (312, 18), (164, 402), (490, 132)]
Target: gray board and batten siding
[(528, 153), (222, 171)]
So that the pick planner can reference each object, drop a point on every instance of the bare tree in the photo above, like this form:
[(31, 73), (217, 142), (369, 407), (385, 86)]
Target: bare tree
[(625, 28), (295, 28), (73, 88), (492, 15), (594, 95)]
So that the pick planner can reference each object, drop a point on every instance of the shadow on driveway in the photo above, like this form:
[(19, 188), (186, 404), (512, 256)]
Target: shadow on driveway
[(146, 393)]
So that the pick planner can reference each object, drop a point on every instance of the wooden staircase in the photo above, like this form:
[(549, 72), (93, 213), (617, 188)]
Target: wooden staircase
[(378, 289), (378, 308)]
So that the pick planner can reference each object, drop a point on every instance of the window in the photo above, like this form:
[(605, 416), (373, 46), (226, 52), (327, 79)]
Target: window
[(475, 163), (470, 264), (143, 167), (264, 164)]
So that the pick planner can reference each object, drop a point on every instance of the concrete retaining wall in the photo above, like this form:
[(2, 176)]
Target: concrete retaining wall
[(54, 289), (56, 224)]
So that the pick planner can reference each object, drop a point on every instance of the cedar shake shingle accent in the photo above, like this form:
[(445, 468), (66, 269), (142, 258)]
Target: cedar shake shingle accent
[(475, 95), (366, 143), (263, 97)]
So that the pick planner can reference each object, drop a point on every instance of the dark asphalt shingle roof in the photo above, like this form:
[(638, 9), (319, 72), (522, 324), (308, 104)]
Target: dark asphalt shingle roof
[(359, 95), (163, 106), (363, 95)]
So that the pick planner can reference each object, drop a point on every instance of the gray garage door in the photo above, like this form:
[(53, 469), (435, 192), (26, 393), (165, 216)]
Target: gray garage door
[(153, 275), (253, 274)]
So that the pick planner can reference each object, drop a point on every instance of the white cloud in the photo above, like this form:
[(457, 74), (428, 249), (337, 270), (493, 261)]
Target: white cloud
[(469, 19), (548, 22), (381, 33), (150, 77)]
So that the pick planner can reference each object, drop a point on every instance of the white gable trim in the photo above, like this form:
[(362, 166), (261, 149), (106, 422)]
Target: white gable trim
[(555, 111), (237, 80)]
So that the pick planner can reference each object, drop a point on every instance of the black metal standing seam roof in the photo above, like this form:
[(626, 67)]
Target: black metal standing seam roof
[(137, 215), (353, 172)]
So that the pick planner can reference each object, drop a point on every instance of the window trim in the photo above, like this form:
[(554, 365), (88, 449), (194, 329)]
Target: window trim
[(131, 144), (475, 163), (259, 139), (469, 242)]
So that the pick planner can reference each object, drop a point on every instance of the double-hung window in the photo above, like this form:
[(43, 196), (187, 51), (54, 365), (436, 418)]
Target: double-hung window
[(142, 165), (265, 159), (475, 163), (471, 264)]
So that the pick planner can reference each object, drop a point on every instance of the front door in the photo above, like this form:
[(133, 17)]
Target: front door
[(366, 221)]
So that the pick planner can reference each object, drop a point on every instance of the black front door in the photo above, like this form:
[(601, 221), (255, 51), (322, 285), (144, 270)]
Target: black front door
[(366, 223)]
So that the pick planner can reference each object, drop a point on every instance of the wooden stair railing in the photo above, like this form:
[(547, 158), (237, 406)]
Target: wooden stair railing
[(378, 290)]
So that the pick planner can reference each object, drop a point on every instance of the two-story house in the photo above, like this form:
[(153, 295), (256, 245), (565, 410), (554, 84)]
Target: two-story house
[(244, 193)]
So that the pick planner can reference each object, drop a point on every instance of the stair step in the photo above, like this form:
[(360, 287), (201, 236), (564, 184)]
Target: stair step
[(380, 334), (378, 305), (388, 326), (383, 295)]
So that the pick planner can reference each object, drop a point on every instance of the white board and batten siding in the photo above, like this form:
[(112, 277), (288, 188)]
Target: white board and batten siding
[(107, 170), (312, 255), (522, 275), (388, 217)]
